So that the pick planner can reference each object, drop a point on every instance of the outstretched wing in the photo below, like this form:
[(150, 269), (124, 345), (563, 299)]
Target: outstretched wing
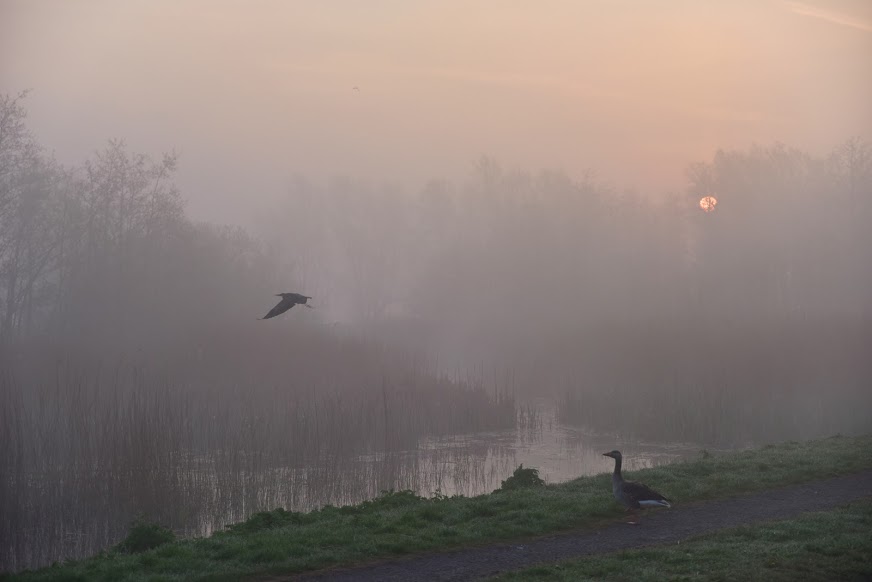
[(639, 493), (280, 308)]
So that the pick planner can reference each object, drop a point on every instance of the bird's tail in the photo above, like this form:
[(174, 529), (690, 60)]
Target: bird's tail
[(655, 503)]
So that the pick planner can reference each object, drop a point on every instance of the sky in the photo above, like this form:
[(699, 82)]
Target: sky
[(254, 93)]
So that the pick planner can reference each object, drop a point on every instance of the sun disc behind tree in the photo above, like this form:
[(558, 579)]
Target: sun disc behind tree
[(708, 203)]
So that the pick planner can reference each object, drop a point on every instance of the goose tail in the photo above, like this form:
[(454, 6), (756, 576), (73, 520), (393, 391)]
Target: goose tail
[(655, 503)]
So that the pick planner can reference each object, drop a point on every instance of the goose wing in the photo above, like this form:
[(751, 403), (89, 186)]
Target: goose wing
[(639, 493)]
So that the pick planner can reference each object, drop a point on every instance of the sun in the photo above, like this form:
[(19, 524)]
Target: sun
[(708, 203)]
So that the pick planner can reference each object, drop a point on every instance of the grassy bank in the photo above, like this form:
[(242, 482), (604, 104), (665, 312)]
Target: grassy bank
[(402, 523), (832, 545)]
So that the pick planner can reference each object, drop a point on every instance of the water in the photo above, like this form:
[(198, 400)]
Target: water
[(54, 517), (561, 453)]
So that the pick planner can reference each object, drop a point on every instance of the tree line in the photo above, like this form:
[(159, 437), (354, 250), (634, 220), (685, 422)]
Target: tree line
[(104, 249)]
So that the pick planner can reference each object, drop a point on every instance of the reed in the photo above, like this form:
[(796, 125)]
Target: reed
[(196, 444)]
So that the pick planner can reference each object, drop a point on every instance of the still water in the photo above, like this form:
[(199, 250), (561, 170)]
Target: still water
[(50, 518)]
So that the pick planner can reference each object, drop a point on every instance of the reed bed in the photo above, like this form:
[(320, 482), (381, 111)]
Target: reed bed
[(201, 442)]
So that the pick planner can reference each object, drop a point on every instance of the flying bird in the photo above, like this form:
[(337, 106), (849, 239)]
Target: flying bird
[(288, 301), (633, 495)]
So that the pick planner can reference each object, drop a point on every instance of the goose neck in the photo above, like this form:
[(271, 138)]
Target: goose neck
[(618, 467)]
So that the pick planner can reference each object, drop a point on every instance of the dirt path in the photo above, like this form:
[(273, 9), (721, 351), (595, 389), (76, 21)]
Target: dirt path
[(661, 527)]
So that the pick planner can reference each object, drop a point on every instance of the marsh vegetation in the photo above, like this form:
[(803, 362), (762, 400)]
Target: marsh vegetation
[(134, 378)]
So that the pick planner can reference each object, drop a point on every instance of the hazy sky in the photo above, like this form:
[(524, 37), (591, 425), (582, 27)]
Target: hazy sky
[(251, 93)]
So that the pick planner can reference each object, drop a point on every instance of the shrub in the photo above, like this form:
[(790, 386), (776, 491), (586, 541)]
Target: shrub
[(521, 479), (145, 536)]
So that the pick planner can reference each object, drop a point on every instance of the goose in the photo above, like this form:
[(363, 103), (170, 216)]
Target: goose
[(288, 301), (633, 495)]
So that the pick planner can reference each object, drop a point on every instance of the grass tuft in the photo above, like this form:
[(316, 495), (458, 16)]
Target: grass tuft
[(145, 536), (521, 479)]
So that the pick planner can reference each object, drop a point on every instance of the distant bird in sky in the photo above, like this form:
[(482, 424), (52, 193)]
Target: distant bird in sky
[(288, 301)]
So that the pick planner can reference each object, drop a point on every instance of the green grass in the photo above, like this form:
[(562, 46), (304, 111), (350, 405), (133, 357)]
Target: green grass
[(833, 545), (402, 523)]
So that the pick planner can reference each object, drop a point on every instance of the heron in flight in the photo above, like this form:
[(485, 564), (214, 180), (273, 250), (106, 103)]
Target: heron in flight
[(288, 301)]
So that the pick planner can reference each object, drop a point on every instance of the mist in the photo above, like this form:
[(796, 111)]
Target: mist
[(499, 212), (252, 97)]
